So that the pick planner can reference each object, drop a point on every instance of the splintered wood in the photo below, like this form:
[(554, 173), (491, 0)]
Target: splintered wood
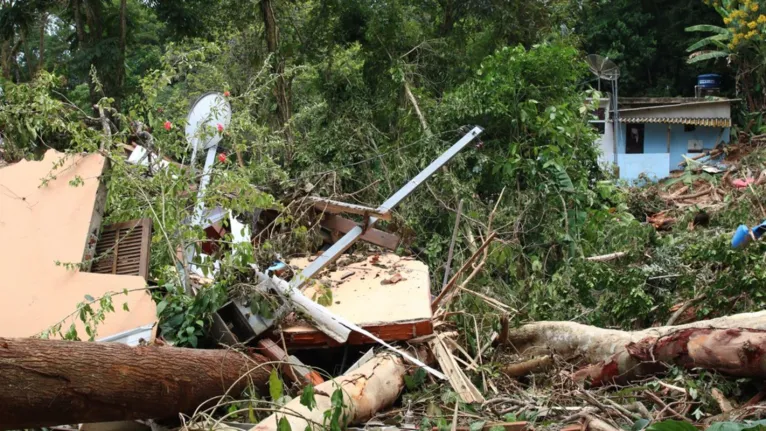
[(385, 294), (457, 379)]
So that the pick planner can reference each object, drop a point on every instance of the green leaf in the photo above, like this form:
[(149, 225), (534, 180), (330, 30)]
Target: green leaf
[(251, 414), (738, 426), (707, 56), (708, 28), (497, 428), (125, 306), (671, 425), (416, 380), (161, 307), (275, 385), (89, 298), (193, 340), (308, 398), (714, 40), (283, 425), (476, 426), (640, 424)]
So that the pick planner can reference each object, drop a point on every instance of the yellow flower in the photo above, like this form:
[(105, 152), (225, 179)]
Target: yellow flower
[(750, 34), (752, 24), (762, 19), (754, 7), (728, 20)]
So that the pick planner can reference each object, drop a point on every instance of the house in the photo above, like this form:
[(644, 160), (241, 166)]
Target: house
[(651, 136)]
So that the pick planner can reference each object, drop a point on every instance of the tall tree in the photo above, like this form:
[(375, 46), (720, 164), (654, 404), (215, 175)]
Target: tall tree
[(282, 85)]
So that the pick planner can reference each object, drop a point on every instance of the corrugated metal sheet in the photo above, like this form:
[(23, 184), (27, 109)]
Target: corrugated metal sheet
[(708, 122), (123, 248)]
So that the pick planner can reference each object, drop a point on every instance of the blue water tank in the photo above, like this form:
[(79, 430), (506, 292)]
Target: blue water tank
[(709, 80)]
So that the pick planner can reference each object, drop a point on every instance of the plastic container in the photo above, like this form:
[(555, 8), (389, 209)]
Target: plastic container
[(709, 80)]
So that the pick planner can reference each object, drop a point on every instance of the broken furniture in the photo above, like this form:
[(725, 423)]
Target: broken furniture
[(388, 295), (335, 326), (50, 228)]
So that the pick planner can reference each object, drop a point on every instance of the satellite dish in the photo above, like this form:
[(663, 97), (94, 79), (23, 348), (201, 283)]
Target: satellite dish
[(210, 110), (602, 67)]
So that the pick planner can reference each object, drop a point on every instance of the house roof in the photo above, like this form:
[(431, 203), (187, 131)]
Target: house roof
[(654, 101), (685, 102), (708, 122)]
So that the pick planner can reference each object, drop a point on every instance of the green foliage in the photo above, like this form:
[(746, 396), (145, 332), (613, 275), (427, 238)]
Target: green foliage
[(308, 397), (415, 380), (33, 120), (183, 318), (276, 388)]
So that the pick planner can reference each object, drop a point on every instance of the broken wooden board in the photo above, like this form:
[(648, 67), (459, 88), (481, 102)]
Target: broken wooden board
[(41, 224), (460, 383), (336, 207), (371, 235), (396, 311)]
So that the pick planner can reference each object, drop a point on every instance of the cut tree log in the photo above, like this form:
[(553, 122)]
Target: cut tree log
[(368, 389), (53, 382), (734, 350)]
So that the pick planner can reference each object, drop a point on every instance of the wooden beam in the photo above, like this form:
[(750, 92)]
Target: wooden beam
[(336, 207), (372, 235)]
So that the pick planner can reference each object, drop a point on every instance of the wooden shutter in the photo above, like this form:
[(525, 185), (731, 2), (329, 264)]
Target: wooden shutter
[(123, 248)]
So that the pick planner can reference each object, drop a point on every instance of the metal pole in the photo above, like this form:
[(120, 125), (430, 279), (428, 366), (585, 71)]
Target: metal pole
[(351, 236)]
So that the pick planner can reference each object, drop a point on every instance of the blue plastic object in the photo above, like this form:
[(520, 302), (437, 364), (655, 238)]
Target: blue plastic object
[(709, 80), (741, 237)]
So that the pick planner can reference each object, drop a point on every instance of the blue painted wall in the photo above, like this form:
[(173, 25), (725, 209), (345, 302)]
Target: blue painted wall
[(654, 165), (656, 135)]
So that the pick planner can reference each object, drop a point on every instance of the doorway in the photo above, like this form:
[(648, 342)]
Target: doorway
[(634, 139)]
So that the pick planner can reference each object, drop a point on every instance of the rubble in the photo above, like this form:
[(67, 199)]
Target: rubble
[(50, 226)]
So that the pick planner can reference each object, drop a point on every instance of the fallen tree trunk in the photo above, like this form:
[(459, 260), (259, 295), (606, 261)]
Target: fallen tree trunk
[(736, 352), (615, 356), (366, 391), (594, 344), (53, 382)]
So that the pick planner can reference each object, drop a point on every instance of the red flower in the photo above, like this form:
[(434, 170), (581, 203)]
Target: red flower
[(220, 127), (226, 94), (168, 125), (222, 157)]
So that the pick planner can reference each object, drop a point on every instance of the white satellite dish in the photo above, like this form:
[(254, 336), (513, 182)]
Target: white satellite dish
[(203, 133), (210, 110)]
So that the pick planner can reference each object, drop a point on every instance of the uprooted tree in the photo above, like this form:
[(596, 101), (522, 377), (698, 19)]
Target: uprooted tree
[(733, 345)]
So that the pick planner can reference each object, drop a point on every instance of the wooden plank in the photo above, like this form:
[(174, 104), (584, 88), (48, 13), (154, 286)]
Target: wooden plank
[(373, 236), (457, 379), (337, 207)]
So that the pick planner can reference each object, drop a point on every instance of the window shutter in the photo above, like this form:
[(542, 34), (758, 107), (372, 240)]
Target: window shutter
[(123, 248)]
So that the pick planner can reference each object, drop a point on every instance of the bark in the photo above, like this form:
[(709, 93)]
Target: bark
[(27, 57), (282, 86), (5, 59), (52, 382), (596, 344), (368, 389), (617, 356), (120, 73), (736, 352), (529, 366), (414, 102), (41, 56)]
